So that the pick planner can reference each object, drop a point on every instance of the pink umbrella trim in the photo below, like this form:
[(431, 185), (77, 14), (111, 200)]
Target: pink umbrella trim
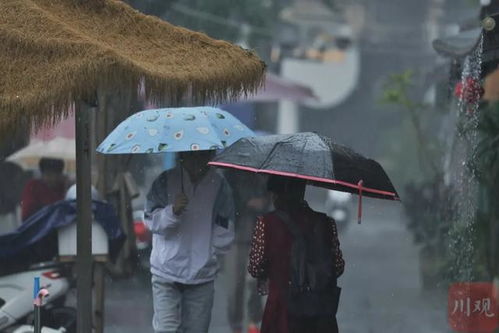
[(359, 186)]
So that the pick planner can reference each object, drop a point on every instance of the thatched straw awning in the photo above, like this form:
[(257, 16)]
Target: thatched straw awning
[(54, 52)]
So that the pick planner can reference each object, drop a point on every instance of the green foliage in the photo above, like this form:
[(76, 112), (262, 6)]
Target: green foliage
[(397, 92), (399, 148), (431, 208), (453, 247), (397, 89), (221, 19), (484, 256), (485, 164), (486, 155), (461, 253), (468, 257)]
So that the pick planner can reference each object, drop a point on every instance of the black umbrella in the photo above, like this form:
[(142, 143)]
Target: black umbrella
[(312, 157)]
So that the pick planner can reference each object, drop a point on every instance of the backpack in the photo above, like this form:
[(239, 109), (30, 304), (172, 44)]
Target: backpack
[(312, 289)]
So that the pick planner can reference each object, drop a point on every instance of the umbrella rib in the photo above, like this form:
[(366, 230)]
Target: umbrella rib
[(269, 155), (330, 146)]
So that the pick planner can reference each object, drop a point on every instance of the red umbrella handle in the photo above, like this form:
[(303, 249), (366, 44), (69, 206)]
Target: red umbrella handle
[(359, 184)]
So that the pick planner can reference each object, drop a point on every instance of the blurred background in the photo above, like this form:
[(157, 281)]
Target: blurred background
[(367, 74)]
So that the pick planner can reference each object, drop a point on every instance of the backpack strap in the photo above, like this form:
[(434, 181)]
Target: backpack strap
[(293, 228), (298, 277)]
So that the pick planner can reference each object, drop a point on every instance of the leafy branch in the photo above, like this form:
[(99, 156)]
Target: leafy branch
[(397, 92)]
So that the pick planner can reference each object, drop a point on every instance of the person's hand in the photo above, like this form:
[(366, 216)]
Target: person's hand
[(263, 286), (181, 202)]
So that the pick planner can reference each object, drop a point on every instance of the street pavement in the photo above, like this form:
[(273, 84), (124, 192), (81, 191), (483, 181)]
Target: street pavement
[(381, 286)]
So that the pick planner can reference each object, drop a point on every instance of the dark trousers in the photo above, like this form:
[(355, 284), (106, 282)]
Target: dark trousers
[(320, 324)]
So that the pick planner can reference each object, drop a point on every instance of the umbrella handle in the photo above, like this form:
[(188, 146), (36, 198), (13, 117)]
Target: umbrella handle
[(359, 217), (182, 178)]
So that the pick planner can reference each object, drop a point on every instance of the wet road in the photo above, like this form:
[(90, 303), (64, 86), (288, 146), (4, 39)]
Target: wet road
[(381, 285)]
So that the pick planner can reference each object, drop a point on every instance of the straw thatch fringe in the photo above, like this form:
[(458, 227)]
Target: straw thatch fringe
[(54, 52)]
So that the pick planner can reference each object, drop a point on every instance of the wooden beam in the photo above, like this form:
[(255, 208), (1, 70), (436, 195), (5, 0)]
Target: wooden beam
[(84, 220), (100, 290)]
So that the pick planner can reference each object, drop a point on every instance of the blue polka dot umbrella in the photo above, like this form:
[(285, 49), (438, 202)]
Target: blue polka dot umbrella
[(174, 130)]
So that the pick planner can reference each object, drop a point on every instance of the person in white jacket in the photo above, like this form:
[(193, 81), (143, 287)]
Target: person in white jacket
[(190, 212)]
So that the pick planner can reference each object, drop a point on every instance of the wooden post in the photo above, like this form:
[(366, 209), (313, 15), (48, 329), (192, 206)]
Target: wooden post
[(99, 296), (84, 220), (125, 213), (114, 106)]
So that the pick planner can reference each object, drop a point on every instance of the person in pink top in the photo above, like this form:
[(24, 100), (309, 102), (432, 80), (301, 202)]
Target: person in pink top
[(48, 189)]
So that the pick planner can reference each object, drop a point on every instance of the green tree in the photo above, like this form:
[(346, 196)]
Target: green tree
[(397, 92), (485, 164), (222, 19)]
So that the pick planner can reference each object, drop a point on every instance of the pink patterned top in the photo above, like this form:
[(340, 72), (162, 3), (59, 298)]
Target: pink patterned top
[(259, 260)]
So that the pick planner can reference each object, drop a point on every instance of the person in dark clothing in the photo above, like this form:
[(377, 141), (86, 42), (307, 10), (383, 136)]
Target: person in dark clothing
[(271, 253), (48, 189), (250, 202)]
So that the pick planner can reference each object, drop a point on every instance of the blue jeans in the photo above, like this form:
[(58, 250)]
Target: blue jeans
[(181, 308)]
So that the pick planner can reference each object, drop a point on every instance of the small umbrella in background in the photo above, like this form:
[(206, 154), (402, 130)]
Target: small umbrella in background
[(58, 141), (59, 148), (311, 157)]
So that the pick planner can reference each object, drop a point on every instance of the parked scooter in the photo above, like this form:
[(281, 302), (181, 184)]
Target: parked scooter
[(29, 329), (338, 205), (34, 241), (16, 302)]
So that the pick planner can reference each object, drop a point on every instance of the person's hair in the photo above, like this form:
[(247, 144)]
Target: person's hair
[(51, 165), (209, 153), (279, 184)]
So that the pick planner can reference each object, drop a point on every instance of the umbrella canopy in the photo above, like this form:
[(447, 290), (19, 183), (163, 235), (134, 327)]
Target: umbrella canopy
[(55, 142), (57, 51), (311, 157), (174, 130), (59, 147)]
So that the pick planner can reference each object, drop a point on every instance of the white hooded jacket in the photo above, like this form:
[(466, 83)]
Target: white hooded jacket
[(186, 247)]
